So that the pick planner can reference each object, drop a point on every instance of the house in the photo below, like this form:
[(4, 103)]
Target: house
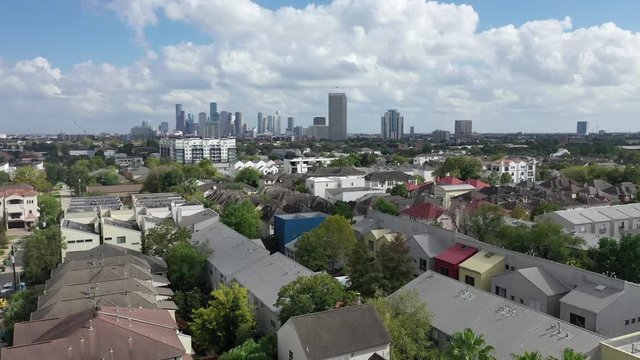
[(446, 192), (79, 236), (519, 169), (319, 185), (374, 240), (603, 221), (624, 347), (351, 194), (353, 332), (303, 165), (263, 280), (137, 174), (119, 255), (423, 249), (534, 287), (388, 179), (449, 180), (264, 167), (480, 268), (19, 206), (288, 227), (448, 262), (477, 183), (509, 327), (199, 220), (429, 213), (101, 333)]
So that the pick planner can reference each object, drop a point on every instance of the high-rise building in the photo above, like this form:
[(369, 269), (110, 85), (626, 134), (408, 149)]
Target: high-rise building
[(318, 132), (277, 130), (225, 129), (164, 128), (290, 125), (337, 116), (214, 117), (192, 150), (260, 123), (391, 125), (441, 135), (237, 124), (412, 130), (463, 127), (191, 126), (202, 121), (269, 126), (319, 120), (582, 128), (297, 131), (180, 120)]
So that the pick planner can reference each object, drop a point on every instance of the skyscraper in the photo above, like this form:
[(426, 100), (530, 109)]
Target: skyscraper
[(202, 121), (225, 128), (290, 125), (260, 124), (180, 121), (582, 128), (276, 124), (214, 117), (237, 124), (337, 116), (269, 126), (463, 127), (391, 125), (319, 120), (164, 128)]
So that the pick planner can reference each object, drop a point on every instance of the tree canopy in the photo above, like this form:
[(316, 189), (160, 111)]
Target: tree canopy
[(325, 246), (32, 176), (384, 206), (186, 265), (342, 208), (462, 167), (467, 345), (50, 209), (399, 190), (311, 294), (252, 350), (249, 176), (22, 304), (43, 251), (617, 258), (243, 218), (159, 239)]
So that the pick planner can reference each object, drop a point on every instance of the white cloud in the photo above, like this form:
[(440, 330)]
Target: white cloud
[(427, 59)]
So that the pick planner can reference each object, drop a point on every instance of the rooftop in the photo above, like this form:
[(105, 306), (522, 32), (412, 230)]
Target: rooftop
[(338, 191), (482, 261), (541, 279), (458, 187), (456, 254), (308, 215), (591, 296), (427, 211), (130, 225), (88, 228)]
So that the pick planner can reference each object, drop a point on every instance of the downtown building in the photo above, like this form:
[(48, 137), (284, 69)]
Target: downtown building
[(337, 116), (463, 128), (192, 150), (392, 125)]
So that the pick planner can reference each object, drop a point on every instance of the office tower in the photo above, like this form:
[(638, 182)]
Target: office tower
[(237, 124), (290, 125), (337, 116), (582, 128), (318, 131), (463, 127), (441, 135), (411, 130), (214, 117), (180, 121), (192, 150), (269, 123), (145, 123), (391, 125), (260, 123), (297, 131), (190, 127), (319, 120), (202, 121), (276, 124), (164, 128)]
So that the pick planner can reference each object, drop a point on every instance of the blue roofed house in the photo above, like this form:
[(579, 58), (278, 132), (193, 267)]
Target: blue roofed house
[(289, 227)]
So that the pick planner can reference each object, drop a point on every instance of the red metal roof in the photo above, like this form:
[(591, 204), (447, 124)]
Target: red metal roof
[(449, 180), (477, 183), (457, 254), (423, 211)]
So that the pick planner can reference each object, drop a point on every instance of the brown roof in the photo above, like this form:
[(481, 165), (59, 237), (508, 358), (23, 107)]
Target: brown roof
[(17, 189), (105, 333)]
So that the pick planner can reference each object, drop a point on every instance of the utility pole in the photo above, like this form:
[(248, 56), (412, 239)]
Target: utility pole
[(13, 264)]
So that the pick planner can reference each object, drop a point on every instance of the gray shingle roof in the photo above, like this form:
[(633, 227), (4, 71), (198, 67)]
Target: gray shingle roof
[(541, 279), (509, 327), (332, 333), (198, 217), (591, 297), (119, 254), (432, 245)]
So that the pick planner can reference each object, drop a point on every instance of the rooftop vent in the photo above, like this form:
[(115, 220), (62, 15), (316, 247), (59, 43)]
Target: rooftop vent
[(599, 288), (489, 254)]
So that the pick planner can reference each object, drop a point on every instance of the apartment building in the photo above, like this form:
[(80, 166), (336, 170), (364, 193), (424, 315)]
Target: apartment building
[(519, 169), (19, 205), (600, 221), (192, 150)]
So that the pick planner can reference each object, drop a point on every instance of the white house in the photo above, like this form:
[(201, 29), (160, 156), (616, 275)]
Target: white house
[(264, 167), (350, 194), (319, 185), (352, 332), (561, 152), (302, 165), (519, 169), (19, 205)]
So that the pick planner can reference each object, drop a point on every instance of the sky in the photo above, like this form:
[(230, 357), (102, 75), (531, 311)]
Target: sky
[(532, 66)]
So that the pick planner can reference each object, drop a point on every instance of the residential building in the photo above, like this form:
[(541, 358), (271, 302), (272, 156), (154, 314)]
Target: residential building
[(625, 347), (429, 213), (89, 153), (192, 150), (446, 192), (599, 221), (351, 193), (19, 205), (582, 128), (480, 268), (352, 332), (375, 239), (448, 262), (117, 255), (463, 128), (388, 179), (128, 161), (100, 333), (519, 169), (423, 249), (264, 167), (303, 165), (507, 326), (263, 280), (288, 227), (392, 125), (337, 116), (534, 287), (441, 136), (319, 185)]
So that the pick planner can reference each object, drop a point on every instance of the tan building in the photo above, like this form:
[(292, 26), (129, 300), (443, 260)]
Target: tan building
[(374, 240), (626, 347), (480, 268), (19, 205)]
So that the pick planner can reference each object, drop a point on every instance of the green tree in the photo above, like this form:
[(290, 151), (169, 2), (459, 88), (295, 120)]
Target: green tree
[(50, 209), (159, 239), (243, 218), (32, 176), (400, 190), (364, 272), (617, 258), (506, 178), (384, 206), (186, 265), (485, 222), (528, 356), (22, 304), (311, 294), (398, 160), (324, 247), (543, 208), (170, 178), (108, 177), (188, 301), (467, 345), (227, 321), (43, 250), (252, 350), (493, 179), (55, 172), (249, 176), (408, 321), (78, 177), (342, 208), (463, 167), (519, 213), (567, 354), (395, 263)]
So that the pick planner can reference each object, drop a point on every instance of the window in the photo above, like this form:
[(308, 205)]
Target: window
[(107, 239), (603, 229), (521, 301), (290, 355), (469, 280), (370, 245), (73, 242), (444, 271), (512, 268), (423, 264), (577, 320), (633, 320), (88, 240), (135, 243), (626, 322), (513, 298), (506, 266), (500, 291), (121, 239)]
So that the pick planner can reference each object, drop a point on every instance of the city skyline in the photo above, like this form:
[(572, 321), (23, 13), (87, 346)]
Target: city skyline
[(509, 68)]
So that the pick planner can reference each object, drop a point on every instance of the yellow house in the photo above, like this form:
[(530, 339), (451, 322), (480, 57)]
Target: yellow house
[(480, 268), (625, 347), (374, 240)]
